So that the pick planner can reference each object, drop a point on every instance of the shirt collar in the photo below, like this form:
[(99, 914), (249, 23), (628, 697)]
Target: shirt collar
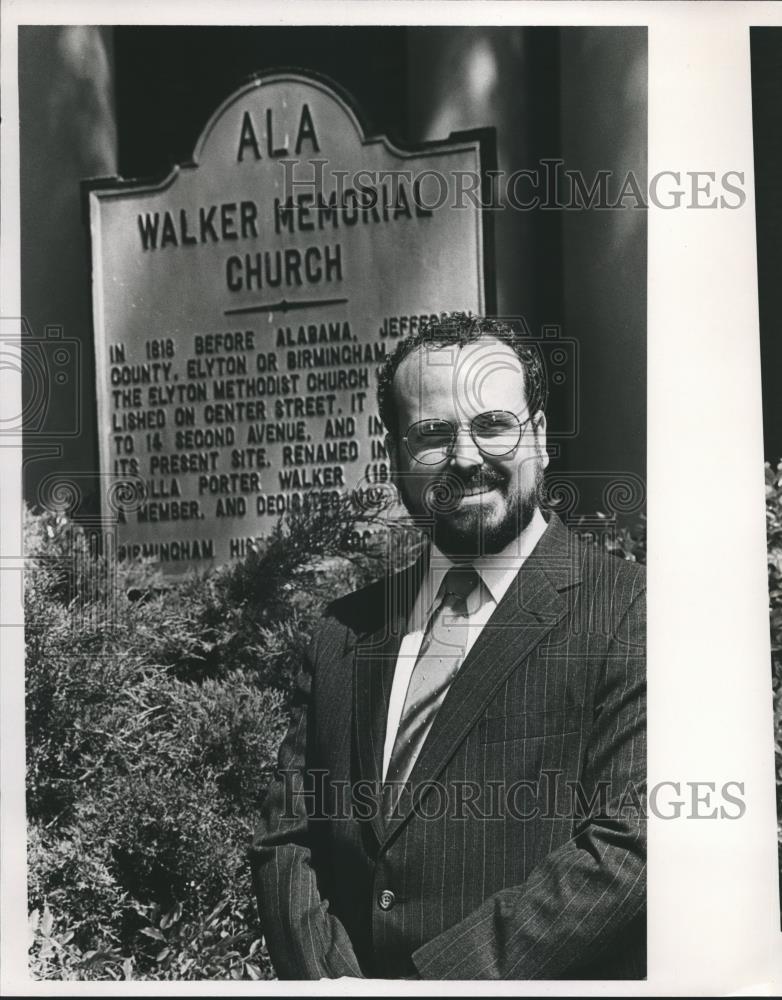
[(496, 571)]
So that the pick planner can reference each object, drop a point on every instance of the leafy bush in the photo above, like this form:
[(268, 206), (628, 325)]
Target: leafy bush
[(774, 542), (154, 712)]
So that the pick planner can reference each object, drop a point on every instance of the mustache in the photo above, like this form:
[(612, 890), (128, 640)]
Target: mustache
[(487, 477), (445, 493)]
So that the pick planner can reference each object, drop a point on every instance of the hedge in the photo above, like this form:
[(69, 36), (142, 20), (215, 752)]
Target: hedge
[(774, 541), (154, 712)]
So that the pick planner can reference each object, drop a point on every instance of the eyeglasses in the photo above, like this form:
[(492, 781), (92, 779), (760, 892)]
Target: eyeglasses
[(495, 433)]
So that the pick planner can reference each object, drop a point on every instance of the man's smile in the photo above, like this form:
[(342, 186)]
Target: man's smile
[(478, 491), (478, 488)]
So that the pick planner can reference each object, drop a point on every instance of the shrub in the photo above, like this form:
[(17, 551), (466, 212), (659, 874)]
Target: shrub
[(774, 542), (154, 711)]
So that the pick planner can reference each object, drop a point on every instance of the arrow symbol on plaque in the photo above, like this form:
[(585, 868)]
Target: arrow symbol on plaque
[(283, 306)]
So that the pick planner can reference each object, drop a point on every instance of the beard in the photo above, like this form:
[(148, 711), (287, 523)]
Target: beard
[(474, 529)]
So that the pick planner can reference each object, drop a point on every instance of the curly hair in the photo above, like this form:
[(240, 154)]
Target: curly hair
[(463, 328)]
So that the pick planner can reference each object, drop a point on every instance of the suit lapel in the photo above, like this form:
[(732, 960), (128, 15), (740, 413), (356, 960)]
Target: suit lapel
[(528, 611)]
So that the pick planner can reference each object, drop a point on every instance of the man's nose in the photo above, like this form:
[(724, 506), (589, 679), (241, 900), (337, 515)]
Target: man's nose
[(465, 454)]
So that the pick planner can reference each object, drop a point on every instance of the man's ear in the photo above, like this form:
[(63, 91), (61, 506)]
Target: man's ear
[(539, 429)]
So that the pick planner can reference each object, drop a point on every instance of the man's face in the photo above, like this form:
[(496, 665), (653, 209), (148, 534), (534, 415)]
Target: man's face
[(475, 502)]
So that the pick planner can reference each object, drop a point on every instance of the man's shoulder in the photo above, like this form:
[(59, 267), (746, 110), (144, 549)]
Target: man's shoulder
[(575, 554), (611, 587), (367, 609), (608, 576), (359, 608), (598, 561)]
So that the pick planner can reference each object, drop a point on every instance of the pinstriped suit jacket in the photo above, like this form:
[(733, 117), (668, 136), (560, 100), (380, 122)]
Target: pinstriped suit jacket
[(520, 851)]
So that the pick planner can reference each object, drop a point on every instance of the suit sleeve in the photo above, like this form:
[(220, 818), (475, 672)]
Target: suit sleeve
[(586, 893), (305, 941)]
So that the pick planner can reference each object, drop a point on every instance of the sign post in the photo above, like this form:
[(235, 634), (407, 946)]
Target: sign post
[(243, 305)]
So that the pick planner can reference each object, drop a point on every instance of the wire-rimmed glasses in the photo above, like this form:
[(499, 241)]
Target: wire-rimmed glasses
[(495, 433)]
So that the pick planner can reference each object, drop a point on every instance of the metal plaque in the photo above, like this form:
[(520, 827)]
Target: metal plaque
[(243, 305)]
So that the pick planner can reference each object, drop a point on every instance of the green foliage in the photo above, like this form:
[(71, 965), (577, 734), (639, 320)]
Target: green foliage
[(154, 711)]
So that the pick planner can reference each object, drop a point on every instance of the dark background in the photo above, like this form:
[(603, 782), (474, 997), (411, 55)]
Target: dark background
[(766, 48)]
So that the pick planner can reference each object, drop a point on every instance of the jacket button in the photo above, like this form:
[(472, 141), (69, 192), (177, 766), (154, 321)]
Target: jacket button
[(386, 899)]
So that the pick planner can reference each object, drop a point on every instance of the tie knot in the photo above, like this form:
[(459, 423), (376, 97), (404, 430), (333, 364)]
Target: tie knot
[(461, 581)]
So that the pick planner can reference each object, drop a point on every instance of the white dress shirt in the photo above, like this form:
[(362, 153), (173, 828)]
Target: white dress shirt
[(496, 573)]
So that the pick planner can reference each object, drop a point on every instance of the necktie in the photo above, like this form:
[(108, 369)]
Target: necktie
[(441, 654)]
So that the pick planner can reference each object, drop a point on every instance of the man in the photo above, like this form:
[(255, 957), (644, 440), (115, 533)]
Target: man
[(461, 793)]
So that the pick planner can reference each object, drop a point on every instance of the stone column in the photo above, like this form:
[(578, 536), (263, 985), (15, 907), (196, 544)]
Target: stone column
[(67, 134)]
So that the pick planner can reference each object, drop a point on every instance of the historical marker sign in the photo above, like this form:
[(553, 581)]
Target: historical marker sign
[(243, 305)]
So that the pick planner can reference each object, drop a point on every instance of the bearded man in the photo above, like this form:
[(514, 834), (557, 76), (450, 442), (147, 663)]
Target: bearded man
[(461, 794)]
